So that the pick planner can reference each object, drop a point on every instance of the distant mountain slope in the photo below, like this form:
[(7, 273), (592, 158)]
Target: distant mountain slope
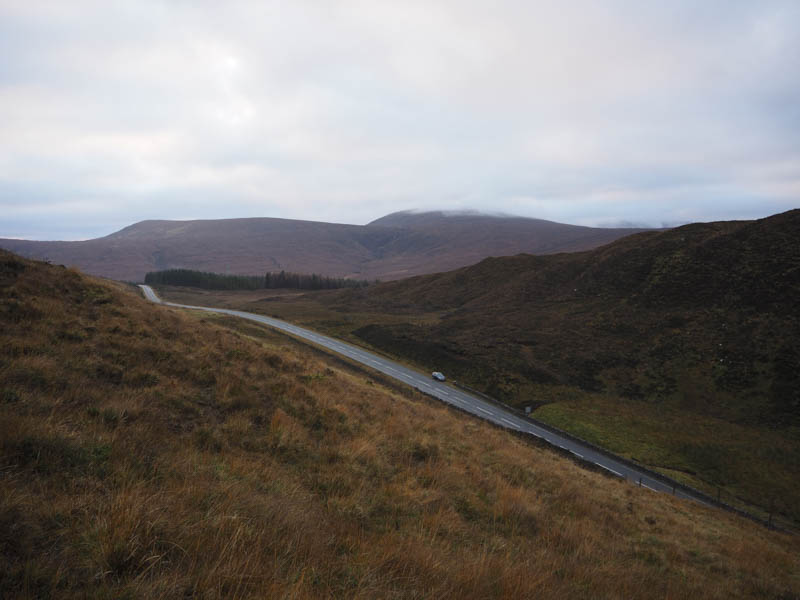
[(738, 264), (396, 246), (661, 315), (460, 239), (680, 349)]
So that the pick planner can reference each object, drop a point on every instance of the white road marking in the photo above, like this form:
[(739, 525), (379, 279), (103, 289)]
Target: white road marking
[(617, 473), (649, 488), (576, 454), (514, 425), (483, 409)]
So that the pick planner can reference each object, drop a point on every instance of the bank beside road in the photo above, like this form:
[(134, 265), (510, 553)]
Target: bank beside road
[(470, 403)]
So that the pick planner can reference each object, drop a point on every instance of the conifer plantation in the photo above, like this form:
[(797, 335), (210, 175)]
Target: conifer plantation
[(281, 280)]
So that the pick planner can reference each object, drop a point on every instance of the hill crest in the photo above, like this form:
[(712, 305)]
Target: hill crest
[(385, 249)]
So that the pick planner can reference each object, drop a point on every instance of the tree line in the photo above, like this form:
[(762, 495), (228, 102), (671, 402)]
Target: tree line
[(217, 281)]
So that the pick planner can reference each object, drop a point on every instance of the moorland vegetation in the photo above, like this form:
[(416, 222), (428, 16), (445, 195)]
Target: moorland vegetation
[(679, 349), (148, 452)]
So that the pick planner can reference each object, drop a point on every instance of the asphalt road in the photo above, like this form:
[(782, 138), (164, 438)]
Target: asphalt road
[(448, 394)]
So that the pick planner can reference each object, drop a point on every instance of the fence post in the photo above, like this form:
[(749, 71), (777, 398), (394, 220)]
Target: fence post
[(640, 481)]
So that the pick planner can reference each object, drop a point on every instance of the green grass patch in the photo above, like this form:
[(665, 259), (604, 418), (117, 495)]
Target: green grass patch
[(745, 465)]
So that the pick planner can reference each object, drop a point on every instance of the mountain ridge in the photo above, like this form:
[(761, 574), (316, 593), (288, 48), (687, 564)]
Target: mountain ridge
[(426, 243)]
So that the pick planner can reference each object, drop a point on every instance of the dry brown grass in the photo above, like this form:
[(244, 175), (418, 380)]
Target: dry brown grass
[(147, 452), (704, 426)]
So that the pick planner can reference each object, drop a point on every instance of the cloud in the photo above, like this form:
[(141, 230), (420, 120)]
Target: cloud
[(585, 112)]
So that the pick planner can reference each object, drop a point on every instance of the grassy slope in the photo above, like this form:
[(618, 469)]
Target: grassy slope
[(680, 349), (146, 452)]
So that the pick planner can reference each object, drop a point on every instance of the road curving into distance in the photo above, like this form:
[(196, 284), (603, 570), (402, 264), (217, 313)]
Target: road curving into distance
[(454, 397)]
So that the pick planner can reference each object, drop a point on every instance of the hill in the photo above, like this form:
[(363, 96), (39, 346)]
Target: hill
[(147, 452), (393, 247), (716, 299), (701, 320), (679, 349)]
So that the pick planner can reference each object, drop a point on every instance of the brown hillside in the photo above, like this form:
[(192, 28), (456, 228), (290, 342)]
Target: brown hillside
[(151, 453), (722, 290), (424, 243), (741, 264), (702, 319), (680, 349)]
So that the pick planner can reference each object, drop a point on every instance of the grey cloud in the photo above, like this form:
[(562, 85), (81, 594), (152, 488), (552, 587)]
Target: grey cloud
[(586, 112)]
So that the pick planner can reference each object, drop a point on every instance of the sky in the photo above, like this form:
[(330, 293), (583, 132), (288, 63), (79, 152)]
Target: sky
[(602, 112)]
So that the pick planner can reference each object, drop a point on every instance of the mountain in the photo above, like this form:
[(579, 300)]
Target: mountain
[(147, 452), (736, 264), (677, 348), (717, 301), (396, 246)]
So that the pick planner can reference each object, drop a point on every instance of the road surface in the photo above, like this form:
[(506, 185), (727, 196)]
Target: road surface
[(450, 395)]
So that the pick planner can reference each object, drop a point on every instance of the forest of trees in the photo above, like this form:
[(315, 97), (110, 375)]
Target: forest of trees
[(217, 281)]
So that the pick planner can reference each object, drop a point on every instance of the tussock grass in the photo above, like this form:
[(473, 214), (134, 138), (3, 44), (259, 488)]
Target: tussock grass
[(156, 453)]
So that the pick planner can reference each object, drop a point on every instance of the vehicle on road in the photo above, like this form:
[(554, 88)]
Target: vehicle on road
[(438, 376)]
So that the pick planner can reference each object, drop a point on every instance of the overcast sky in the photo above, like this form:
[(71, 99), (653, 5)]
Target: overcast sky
[(599, 112)]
